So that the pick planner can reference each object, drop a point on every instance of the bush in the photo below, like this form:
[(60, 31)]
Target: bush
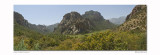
[(111, 40)]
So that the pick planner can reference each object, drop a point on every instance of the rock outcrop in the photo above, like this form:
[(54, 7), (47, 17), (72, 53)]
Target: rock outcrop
[(137, 19), (74, 23)]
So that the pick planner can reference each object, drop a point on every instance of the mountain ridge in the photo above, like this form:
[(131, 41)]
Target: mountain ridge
[(74, 23)]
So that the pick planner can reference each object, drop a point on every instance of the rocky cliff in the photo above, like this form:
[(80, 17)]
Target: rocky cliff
[(74, 23), (136, 20)]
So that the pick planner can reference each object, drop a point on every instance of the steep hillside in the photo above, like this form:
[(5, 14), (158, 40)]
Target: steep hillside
[(18, 18), (136, 20)]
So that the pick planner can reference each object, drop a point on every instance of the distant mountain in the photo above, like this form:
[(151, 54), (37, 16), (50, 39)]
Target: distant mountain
[(74, 23), (19, 20), (136, 20), (118, 21), (51, 27)]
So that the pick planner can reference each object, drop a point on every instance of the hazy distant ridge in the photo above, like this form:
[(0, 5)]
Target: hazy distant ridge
[(118, 21)]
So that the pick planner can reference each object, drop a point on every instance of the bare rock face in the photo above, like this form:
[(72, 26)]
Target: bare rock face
[(74, 23), (137, 19)]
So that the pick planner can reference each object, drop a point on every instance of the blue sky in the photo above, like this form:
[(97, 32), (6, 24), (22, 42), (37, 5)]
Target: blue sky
[(50, 14)]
